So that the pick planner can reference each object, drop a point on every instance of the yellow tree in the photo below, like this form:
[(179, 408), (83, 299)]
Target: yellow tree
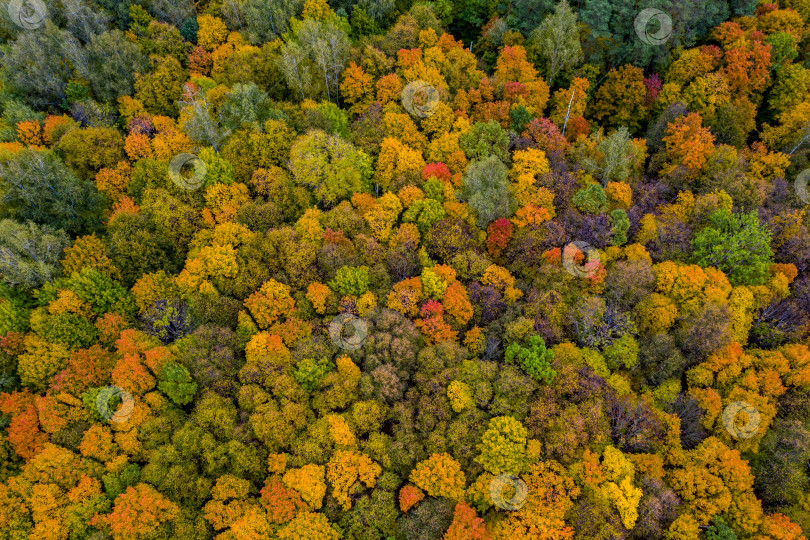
[(440, 476), (570, 101), (309, 482), (396, 161), (347, 467), (620, 100), (713, 479), (550, 494)]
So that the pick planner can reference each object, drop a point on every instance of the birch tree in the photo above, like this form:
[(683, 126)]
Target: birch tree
[(40, 64), (38, 186), (557, 39), (612, 160), (112, 62), (29, 253), (325, 48), (198, 121), (293, 63), (261, 21), (80, 18)]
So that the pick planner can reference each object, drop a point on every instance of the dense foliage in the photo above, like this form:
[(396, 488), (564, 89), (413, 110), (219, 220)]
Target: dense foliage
[(298, 269)]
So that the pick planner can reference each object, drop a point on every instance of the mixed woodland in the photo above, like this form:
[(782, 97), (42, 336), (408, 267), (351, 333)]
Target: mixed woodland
[(206, 312)]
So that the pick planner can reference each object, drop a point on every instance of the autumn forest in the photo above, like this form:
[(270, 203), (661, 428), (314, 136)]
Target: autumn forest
[(404, 269)]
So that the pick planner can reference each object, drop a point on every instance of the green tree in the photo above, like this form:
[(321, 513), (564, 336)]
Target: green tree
[(330, 166), (173, 12), (372, 516), (350, 280), (380, 11), (294, 64), (780, 466), (309, 372), (69, 329), (112, 62), (534, 358), (330, 118), (159, 39), (104, 294), (591, 199), (14, 316), (137, 247), (485, 139), (117, 483), (79, 17), (249, 149), (486, 189), (424, 212), (739, 245), (245, 103), (623, 352), (619, 225), (520, 118), (612, 37), (719, 530), (35, 185), (175, 381), (557, 40)]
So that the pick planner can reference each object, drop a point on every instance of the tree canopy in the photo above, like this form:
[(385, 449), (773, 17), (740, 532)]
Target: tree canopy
[(364, 270)]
